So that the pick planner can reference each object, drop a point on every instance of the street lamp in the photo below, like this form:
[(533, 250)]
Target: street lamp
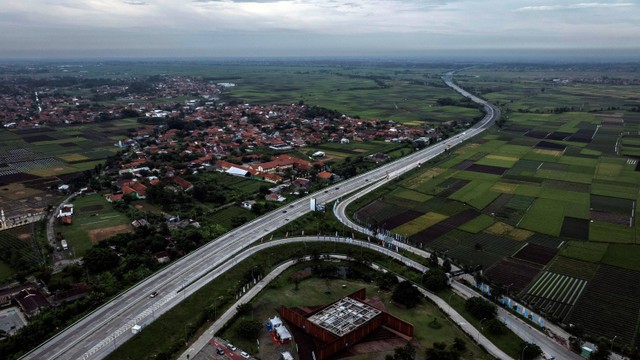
[(522, 356), (449, 302), (480, 328), (508, 286), (614, 339)]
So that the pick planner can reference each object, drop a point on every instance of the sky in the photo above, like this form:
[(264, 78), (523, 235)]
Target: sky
[(309, 28)]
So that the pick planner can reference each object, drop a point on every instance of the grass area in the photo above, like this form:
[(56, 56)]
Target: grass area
[(6, 273), (225, 217), (509, 343), (545, 216), (161, 336), (91, 212), (611, 233), (586, 251), (623, 255), (478, 224), (416, 225)]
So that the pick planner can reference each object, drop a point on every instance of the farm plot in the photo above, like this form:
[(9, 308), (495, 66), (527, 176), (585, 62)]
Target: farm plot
[(610, 304), (623, 255), (536, 253), (419, 223), (449, 186), (400, 219), (429, 234), (545, 216), (575, 228), (476, 194), (585, 251), (613, 233), (574, 268), (554, 294), (611, 209), (377, 212), (487, 169), (513, 271)]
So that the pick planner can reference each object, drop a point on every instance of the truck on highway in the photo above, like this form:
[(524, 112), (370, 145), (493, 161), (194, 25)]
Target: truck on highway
[(64, 244)]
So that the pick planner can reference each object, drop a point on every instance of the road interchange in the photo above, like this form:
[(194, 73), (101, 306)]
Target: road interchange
[(101, 331)]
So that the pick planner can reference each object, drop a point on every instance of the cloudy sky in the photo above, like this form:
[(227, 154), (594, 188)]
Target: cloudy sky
[(218, 28)]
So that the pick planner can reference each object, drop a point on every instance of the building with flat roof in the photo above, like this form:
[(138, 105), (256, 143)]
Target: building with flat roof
[(343, 323)]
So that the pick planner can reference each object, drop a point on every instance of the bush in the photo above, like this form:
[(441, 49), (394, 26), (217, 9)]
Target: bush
[(248, 329), (386, 281), (480, 308), (406, 294)]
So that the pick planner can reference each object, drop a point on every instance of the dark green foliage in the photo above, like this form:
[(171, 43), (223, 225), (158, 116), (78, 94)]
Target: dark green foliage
[(446, 265), (435, 280), (495, 327), (244, 309), (407, 352), (248, 329), (459, 345), (386, 281), (406, 294), (439, 351), (603, 350), (531, 351), (99, 259), (480, 308)]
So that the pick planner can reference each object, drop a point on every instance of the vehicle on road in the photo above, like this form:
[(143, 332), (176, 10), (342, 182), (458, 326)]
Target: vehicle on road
[(64, 244), (153, 294), (219, 351), (244, 355)]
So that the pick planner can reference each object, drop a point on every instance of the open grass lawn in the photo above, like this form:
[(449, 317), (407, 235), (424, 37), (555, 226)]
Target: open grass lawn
[(509, 343), (5, 272), (91, 212), (316, 291), (161, 335), (224, 217)]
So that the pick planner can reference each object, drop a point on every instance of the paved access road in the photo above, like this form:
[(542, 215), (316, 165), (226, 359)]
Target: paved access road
[(100, 332)]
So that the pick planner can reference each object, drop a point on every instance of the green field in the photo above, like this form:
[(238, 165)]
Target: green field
[(91, 212), (6, 273)]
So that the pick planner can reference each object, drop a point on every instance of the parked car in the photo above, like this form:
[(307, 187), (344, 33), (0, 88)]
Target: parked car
[(244, 355), (230, 346)]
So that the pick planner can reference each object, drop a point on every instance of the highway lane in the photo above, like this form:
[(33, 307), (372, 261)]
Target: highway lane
[(455, 316), (101, 331)]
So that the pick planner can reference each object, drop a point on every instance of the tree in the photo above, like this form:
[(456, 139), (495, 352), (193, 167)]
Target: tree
[(495, 327), (407, 352), (406, 294), (459, 345), (386, 281), (99, 259), (446, 265), (603, 350), (433, 259), (439, 352), (480, 308), (248, 329), (244, 308), (435, 280), (531, 351)]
